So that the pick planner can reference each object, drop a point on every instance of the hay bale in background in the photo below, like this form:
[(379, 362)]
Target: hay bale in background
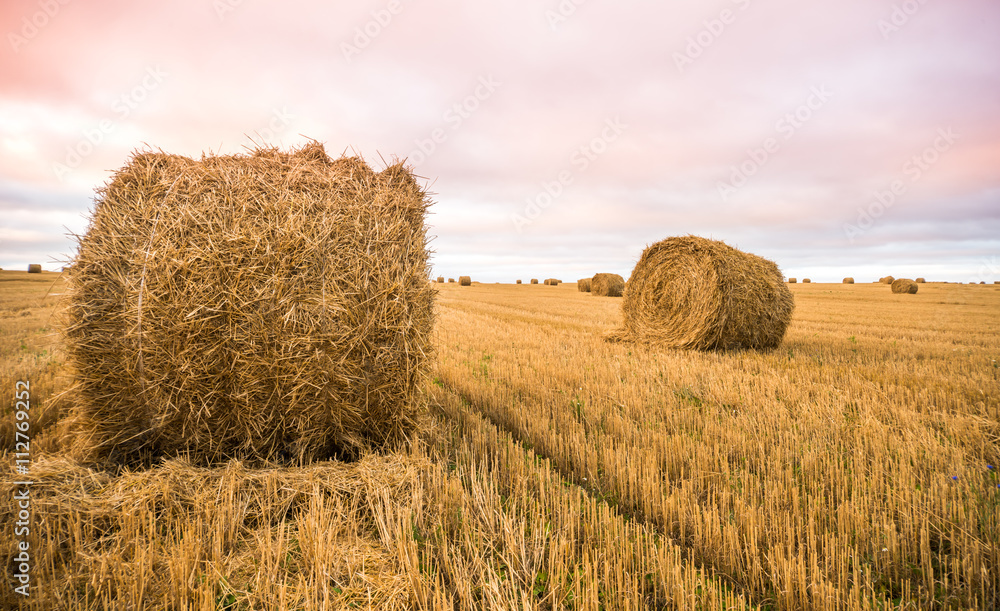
[(534, 280), (441, 279), (546, 282), (806, 281), (464, 281), (792, 281), (607, 285), (691, 292), (264, 306), (886, 279), (34, 268), (903, 285), (451, 280), (552, 282), (583, 285), (518, 282), (848, 280), (920, 281)]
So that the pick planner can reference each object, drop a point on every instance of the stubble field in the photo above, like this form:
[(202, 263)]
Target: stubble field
[(854, 467)]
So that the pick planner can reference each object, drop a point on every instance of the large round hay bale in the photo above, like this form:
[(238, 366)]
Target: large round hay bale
[(534, 280), (691, 292), (440, 279), (903, 285), (518, 282), (920, 281), (34, 268), (583, 285), (848, 280), (792, 281), (464, 281), (806, 281), (266, 306), (607, 285)]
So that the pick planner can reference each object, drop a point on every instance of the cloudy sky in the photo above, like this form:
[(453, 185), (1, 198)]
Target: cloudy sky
[(560, 137)]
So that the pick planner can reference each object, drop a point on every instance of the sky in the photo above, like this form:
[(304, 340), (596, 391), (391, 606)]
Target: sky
[(559, 137)]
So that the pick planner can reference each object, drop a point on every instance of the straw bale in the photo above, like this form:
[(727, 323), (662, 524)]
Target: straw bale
[(886, 279), (848, 280), (691, 292), (440, 279), (534, 280), (607, 285), (583, 285), (465, 281), (806, 281), (271, 305), (792, 281), (920, 281), (903, 285), (518, 282), (34, 268)]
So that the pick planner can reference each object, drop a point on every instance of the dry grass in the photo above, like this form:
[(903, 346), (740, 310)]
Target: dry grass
[(904, 285), (607, 285), (558, 471), (583, 285), (276, 307), (690, 292)]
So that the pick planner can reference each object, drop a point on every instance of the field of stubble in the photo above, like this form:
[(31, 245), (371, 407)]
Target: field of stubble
[(852, 468)]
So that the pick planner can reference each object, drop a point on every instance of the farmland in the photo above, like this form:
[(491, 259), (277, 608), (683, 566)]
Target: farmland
[(852, 467)]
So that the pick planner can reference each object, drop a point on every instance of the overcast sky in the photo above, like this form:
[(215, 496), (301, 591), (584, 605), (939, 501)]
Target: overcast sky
[(858, 137)]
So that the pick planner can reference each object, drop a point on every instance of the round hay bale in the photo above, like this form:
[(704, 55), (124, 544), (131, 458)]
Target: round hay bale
[(263, 306), (441, 279), (607, 285), (691, 292), (806, 281), (34, 268), (451, 280), (546, 282), (552, 282), (886, 279), (848, 280), (464, 281), (518, 282), (903, 285), (920, 281), (792, 281), (583, 285), (534, 280)]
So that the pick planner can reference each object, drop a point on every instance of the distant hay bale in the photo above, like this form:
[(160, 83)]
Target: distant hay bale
[(806, 281), (886, 279), (920, 281), (903, 285), (441, 279), (691, 292), (982, 282), (266, 306), (848, 280), (792, 281), (451, 280), (552, 282), (546, 282), (534, 280), (464, 281), (583, 285), (607, 285), (34, 268), (518, 282)]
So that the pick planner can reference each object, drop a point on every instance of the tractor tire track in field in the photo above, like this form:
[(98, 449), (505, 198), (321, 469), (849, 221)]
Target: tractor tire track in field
[(627, 510)]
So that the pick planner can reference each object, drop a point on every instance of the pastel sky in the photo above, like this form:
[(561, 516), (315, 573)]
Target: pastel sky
[(560, 137)]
